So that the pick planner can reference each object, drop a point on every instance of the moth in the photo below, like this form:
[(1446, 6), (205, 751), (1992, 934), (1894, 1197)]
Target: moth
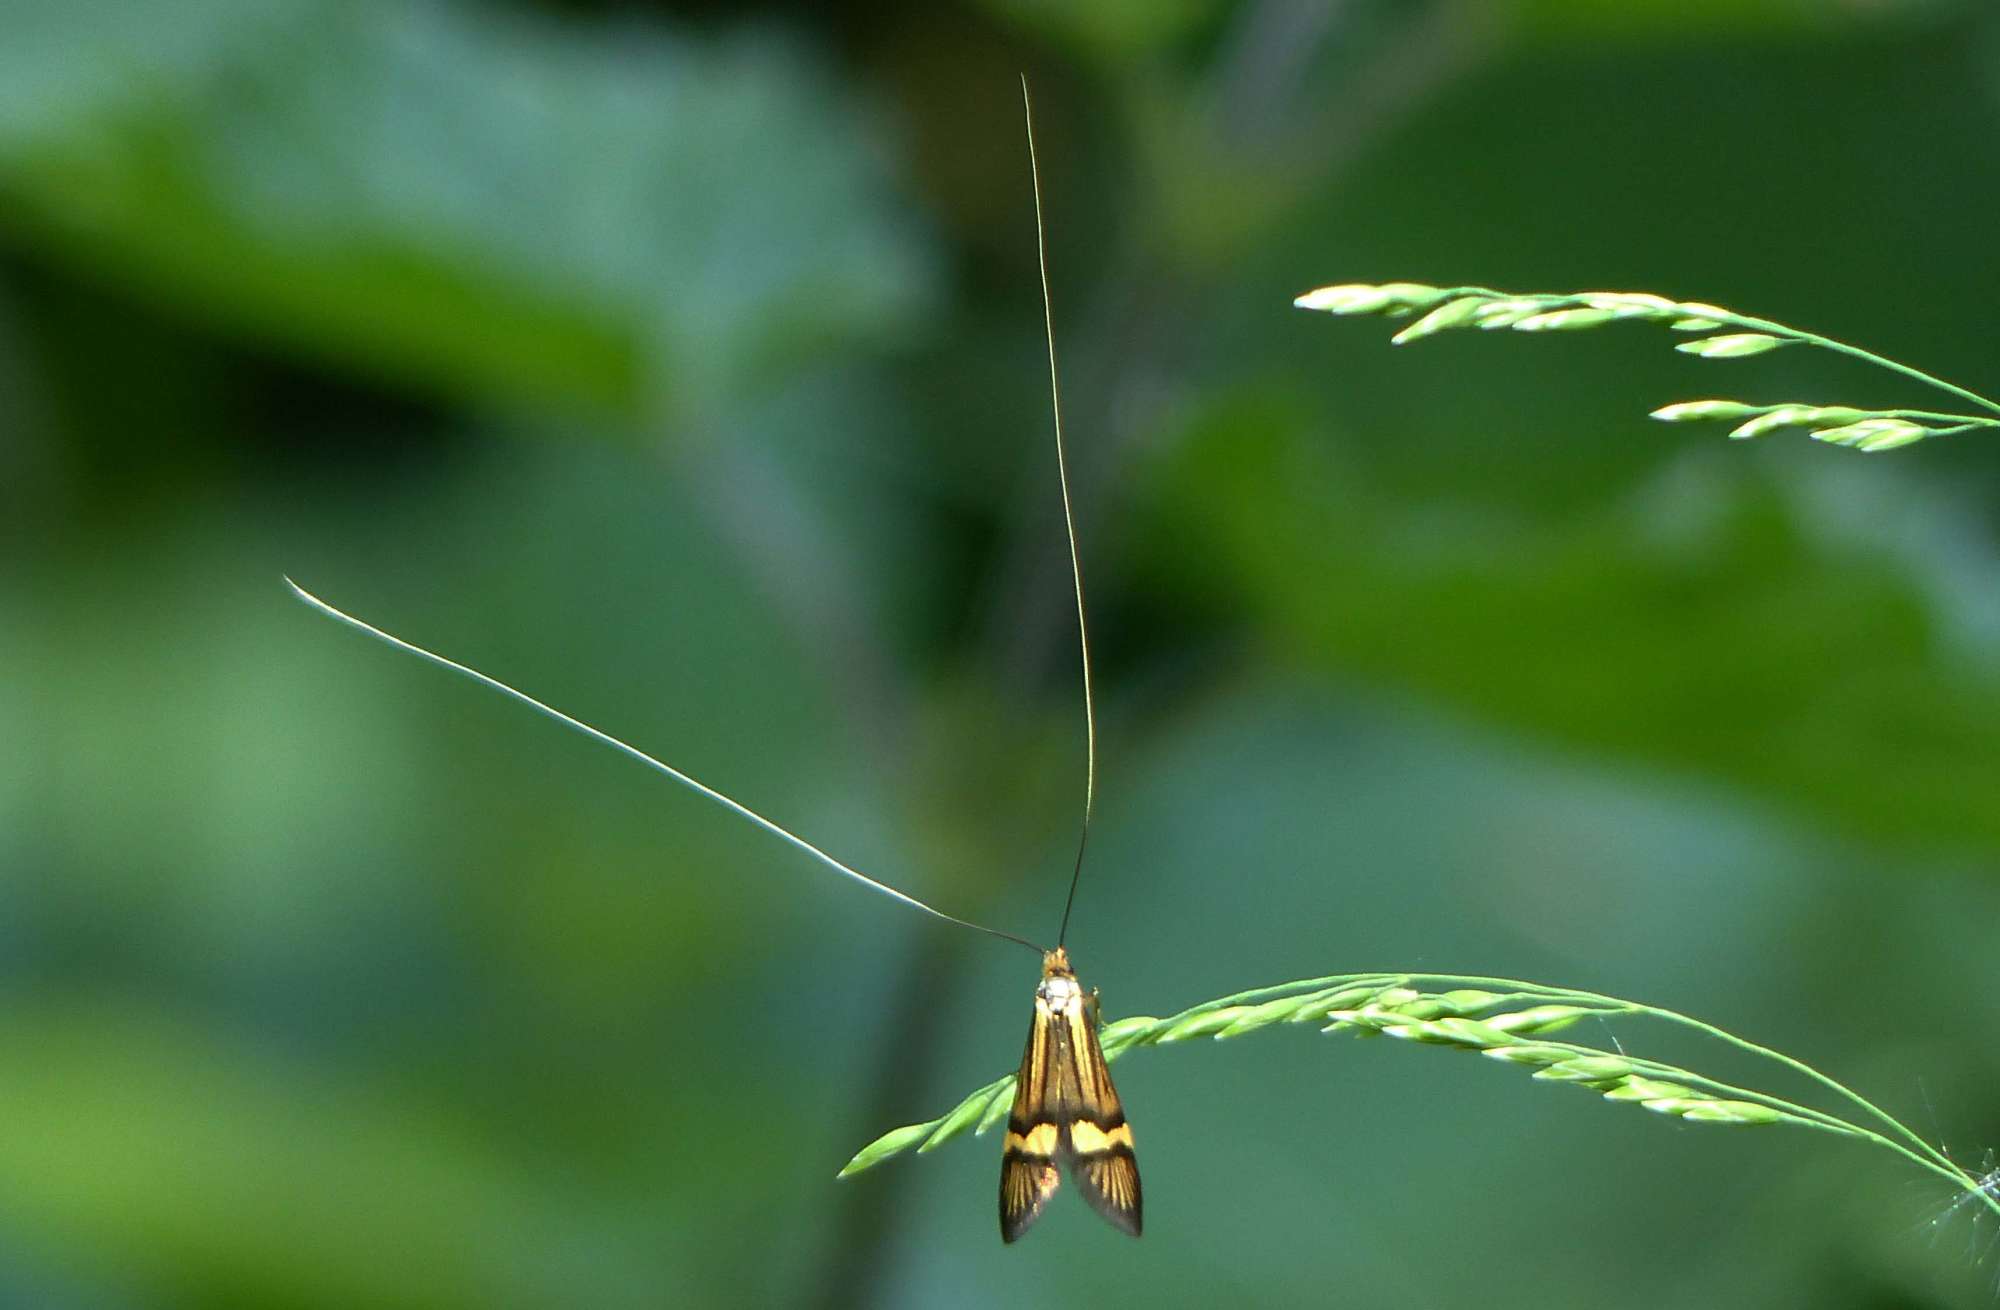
[(1066, 1113)]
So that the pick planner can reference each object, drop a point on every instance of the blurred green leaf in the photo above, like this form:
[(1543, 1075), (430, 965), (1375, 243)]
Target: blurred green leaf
[(494, 206), (243, 1179), (1111, 28), (1573, 20), (1736, 645)]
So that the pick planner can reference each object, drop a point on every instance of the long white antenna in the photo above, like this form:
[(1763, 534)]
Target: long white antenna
[(643, 758), (1069, 518)]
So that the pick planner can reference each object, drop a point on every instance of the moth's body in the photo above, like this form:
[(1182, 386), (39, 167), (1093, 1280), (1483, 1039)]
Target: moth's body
[(1066, 1114)]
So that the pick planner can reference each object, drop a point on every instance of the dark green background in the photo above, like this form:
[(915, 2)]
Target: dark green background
[(684, 367)]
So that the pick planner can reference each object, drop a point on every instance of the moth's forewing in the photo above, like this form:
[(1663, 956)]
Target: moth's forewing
[(1066, 1115), (1100, 1141), (1028, 1175)]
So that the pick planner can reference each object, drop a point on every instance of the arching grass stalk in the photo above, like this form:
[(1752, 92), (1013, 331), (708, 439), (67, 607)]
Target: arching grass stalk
[(1445, 308), (1505, 1020)]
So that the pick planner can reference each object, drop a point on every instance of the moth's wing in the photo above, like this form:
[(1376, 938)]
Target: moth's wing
[(1028, 1172), (1098, 1141)]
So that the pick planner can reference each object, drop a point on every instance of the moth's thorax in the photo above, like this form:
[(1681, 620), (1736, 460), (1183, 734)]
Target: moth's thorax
[(1059, 988), (1059, 992)]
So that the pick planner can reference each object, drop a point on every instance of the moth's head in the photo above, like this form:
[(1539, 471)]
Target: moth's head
[(1055, 964)]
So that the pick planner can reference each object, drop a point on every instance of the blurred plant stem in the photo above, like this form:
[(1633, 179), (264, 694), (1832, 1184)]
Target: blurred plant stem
[(1140, 348), (850, 1272), (811, 579)]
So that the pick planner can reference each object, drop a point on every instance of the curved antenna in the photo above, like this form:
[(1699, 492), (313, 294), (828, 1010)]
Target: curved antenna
[(1069, 519), (649, 761)]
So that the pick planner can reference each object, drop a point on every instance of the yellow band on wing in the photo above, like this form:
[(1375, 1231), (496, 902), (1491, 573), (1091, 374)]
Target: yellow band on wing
[(1087, 1138), (1039, 1140)]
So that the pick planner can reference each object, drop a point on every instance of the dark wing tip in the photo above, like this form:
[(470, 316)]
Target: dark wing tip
[(1110, 1182), (1026, 1184)]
